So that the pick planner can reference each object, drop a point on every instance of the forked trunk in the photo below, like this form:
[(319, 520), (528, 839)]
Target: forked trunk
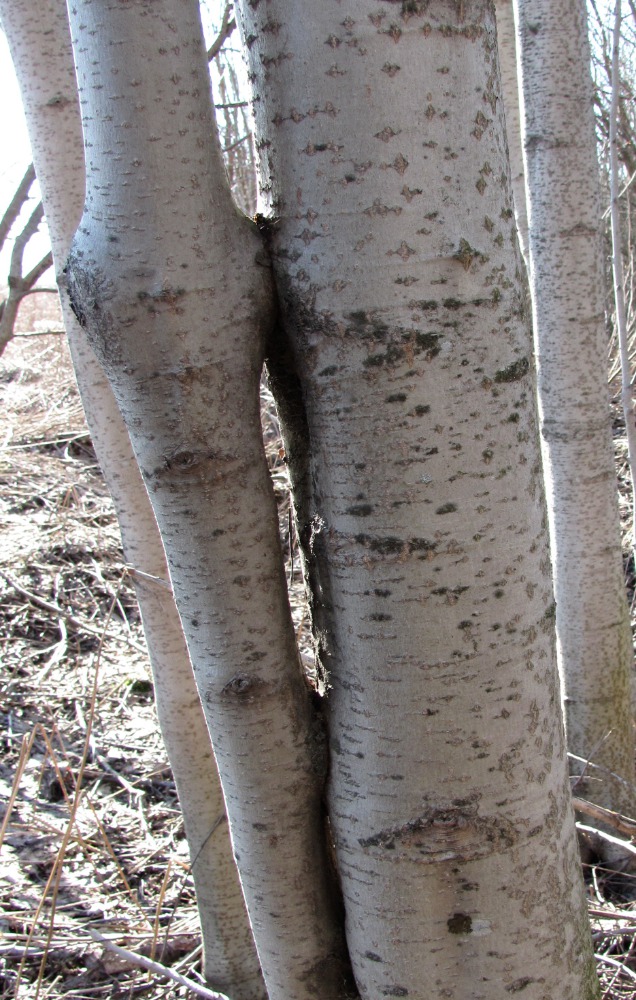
[(175, 292)]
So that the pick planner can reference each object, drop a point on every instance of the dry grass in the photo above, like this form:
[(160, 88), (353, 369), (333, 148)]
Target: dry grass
[(95, 838), (92, 839)]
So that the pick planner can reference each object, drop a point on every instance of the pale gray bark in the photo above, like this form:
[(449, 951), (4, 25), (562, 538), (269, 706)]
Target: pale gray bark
[(175, 293), (627, 390), (40, 44), (507, 44), (593, 630), (384, 167)]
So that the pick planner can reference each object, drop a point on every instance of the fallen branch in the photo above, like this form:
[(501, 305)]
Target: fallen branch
[(597, 911), (623, 844), (618, 965), (156, 967), (621, 823), (68, 615)]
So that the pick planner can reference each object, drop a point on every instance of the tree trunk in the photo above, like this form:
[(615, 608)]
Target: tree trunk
[(593, 630), (507, 45), (39, 38), (174, 291), (384, 169)]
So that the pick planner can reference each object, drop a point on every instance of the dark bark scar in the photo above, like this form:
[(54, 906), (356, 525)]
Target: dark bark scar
[(453, 832)]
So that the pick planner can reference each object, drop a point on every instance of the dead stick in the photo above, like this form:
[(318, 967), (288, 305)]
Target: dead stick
[(597, 911), (56, 610), (621, 823), (623, 844), (616, 964), (156, 967)]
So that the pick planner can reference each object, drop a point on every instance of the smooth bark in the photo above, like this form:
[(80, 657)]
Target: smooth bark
[(384, 169), (622, 333), (593, 629), (507, 45), (174, 290), (40, 44)]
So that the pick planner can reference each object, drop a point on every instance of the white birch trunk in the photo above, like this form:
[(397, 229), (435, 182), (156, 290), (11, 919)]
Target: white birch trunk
[(41, 49), (593, 630), (168, 280), (384, 166), (507, 44)]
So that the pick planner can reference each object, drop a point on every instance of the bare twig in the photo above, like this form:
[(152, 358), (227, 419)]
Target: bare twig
[(141, 577), (30, 229), (599, 767), (25, 750), (46, 260), (621, 823), (233, 145), (615, 841), (617, 964), (19, 284), (156, 967), (53, 882), (162, 895), (228, 24), (597, 911), (15, 205), (69, 616), (35, 274), (38, 333)]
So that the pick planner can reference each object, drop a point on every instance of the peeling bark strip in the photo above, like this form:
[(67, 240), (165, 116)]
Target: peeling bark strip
[(170, 284), (421, 509), (41, 48), (566, 252)]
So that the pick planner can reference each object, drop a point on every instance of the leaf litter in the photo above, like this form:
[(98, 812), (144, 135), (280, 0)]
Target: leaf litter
[(92, 845)]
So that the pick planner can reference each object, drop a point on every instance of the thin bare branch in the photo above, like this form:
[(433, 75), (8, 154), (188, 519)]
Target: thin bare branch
[(19, 285), (624, 845), (233, 145), (228, 24), (35, 274), (156, 967), (617, 965), (79, 623), (621, 823), (41, 289), (21, 241), (15, 205)]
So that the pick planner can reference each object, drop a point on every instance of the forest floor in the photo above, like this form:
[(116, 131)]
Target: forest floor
[(92, 843)]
